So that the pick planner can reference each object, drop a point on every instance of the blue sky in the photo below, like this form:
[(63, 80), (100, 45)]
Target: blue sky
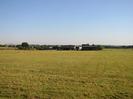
[(66, 21)]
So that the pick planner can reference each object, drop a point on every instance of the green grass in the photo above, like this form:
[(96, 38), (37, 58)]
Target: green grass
[(106, 74)]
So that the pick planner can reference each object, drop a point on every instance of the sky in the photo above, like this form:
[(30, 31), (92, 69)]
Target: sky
[(66, 21)]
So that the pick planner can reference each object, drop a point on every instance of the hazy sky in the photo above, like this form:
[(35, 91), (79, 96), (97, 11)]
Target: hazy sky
[(66, 21)]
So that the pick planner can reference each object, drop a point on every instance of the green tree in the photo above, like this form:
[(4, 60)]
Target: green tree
[(25, 45)]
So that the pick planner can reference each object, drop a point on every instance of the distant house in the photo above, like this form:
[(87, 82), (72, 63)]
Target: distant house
[(91, 47)]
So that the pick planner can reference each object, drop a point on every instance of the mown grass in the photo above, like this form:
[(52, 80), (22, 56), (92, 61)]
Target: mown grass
[(106, 74)]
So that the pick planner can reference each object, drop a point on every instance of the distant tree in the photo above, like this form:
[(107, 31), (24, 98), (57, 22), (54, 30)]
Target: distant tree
[(11, 45), (19, 46), (91, 47), (98, 47), (93, 44), (55, 47), (2, 45), (25, 45)]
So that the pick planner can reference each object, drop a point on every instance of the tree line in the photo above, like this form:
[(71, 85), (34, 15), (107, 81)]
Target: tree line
[(26, 46)]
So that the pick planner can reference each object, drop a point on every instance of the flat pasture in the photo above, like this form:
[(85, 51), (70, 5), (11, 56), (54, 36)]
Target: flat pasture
[(106, 74)]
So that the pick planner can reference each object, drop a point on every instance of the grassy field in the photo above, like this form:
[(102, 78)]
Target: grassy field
[(106, 74)]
